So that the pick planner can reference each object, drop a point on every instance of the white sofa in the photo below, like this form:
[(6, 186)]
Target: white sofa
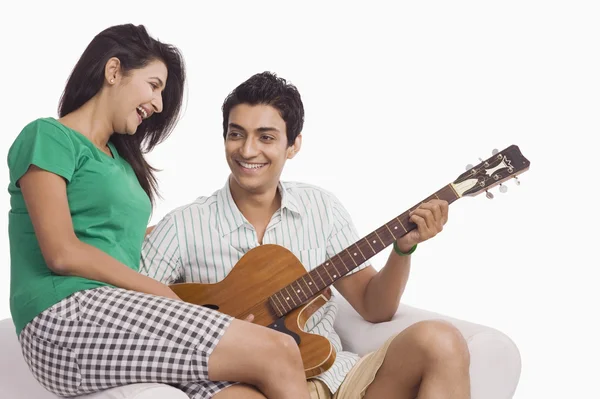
[(495, 359)]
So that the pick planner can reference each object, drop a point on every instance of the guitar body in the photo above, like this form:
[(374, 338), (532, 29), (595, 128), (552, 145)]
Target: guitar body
[(260, 273)]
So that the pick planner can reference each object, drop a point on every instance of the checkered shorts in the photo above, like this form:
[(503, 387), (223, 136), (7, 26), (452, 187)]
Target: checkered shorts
[(107, 337)]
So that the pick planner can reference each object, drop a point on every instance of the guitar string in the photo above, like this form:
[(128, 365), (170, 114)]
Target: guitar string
[(486, 178)]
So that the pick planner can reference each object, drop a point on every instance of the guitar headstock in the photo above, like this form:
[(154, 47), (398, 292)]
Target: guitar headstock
[(497, 169)]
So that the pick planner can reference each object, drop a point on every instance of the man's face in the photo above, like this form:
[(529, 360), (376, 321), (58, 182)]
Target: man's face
[(256, 146)]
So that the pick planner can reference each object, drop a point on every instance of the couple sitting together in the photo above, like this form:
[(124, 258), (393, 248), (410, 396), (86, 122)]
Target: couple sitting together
[(91, 283)]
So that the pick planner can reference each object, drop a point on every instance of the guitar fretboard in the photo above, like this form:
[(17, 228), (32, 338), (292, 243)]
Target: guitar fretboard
[(321, 277)]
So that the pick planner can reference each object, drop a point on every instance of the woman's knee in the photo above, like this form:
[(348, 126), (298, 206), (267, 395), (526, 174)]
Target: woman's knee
[(257, 352), (285, 346)]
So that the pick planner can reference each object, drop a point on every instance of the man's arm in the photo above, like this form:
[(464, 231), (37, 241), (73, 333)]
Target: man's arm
[(376, 296), (161, 258)]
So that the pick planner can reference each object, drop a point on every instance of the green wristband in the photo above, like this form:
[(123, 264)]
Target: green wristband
[(397, 250)]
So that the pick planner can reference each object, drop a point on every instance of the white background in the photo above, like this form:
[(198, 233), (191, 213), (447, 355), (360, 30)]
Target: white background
[(398, 99)]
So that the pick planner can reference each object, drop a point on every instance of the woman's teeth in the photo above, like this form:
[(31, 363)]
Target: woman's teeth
[(142, 112)]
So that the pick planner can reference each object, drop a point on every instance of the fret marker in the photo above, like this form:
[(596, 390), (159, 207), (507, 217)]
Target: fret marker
[(298, 291), (395, 227), (287, 299), (327, 264), (374, 241), (355, 254), (310, 283), (335, 275)]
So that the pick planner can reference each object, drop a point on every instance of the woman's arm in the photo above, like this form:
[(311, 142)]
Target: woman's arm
[(45, 195)]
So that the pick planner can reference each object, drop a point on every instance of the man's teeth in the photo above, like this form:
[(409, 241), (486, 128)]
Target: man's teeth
[(252, 165), (143, 112)]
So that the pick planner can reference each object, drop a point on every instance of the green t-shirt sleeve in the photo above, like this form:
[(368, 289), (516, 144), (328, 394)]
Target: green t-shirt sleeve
[(44, 145)]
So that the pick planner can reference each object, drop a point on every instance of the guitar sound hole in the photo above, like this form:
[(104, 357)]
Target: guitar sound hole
[(211, 306)]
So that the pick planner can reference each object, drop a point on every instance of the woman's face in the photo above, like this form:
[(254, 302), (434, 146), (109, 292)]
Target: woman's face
[(136, 96)]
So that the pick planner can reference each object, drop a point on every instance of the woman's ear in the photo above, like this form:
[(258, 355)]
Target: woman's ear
[(111, 70)]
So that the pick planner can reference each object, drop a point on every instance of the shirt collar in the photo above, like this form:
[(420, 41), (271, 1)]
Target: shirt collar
[(229, 216), (288, 201)]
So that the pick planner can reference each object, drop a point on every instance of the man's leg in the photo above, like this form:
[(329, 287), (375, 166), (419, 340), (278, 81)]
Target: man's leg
[(428, 360)]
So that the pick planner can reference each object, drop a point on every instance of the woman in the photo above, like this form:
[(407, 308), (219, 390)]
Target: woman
[(81, 196)]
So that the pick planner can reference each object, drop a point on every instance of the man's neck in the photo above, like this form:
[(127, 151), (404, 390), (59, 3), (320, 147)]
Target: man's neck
[(255, 204), (258, 208)]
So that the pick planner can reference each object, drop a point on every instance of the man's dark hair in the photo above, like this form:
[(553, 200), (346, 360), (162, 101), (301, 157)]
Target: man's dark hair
[(268, 89)]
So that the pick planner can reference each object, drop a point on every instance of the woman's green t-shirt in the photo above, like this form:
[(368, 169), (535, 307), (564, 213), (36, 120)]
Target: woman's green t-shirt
[(109, 210)]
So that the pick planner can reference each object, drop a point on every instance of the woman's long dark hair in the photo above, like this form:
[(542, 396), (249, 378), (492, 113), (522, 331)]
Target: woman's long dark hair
[(134, 47)]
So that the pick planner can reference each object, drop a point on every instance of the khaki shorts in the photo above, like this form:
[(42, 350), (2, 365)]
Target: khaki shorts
[(357, 380)]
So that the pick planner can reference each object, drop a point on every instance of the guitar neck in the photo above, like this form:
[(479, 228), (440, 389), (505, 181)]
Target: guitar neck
[(321, 277)]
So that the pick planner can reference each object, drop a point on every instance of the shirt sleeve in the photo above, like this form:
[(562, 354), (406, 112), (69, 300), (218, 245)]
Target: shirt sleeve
[(44, 145), (343, 233), (161, 258)]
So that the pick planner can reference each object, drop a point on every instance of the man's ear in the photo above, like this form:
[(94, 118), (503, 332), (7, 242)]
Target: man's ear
[(295, 148)]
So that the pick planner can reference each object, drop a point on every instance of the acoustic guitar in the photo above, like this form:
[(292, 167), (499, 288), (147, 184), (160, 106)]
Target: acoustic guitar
[(271, 283)]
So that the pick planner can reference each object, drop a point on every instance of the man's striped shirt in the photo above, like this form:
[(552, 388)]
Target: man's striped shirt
[(202, 242)]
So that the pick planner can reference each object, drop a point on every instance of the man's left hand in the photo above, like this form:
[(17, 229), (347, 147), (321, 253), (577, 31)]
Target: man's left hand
[(430, 218)]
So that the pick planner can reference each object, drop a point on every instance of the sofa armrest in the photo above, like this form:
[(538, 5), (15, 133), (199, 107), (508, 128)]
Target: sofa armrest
[(495, 359), (16, 380)]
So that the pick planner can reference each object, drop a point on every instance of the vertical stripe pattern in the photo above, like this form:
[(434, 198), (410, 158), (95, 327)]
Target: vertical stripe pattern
[(202, 242)]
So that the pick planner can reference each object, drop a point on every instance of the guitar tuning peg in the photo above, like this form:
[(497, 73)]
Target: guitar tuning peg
[(489, 195), (517, 181), (503, 189), (468, 167), (494, 151)]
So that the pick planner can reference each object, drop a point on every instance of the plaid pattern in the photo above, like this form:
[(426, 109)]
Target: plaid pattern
[(107, 337)]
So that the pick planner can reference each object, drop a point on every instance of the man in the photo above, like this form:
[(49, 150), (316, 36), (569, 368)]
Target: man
[(202, 242)]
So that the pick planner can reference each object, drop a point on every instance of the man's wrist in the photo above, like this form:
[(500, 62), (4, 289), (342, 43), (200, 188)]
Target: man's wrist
[(404, 252)]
